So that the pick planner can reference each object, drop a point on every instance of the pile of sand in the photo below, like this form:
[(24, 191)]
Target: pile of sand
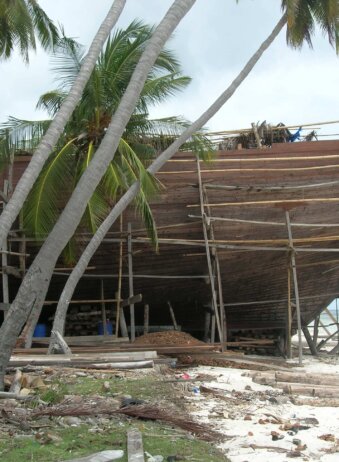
[(170, 337)]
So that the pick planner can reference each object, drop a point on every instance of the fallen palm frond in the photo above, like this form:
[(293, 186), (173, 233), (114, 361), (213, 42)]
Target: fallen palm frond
[(149, 412), (98, 406)]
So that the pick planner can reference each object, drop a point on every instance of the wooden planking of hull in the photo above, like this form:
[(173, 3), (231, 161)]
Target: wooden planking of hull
[(247, 193)]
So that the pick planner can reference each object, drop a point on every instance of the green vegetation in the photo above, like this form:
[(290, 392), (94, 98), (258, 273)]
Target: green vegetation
[(71, 442), (78, 441)]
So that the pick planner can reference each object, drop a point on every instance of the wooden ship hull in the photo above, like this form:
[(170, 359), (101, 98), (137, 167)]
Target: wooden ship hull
[(238, 258)]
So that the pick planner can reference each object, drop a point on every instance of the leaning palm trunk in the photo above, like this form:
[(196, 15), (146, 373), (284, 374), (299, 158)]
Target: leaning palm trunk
[(126, 199), (57, 126), (34, 286)]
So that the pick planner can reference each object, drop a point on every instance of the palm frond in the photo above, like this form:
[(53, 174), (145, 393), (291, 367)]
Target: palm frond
[(44, 27), (157, 89), (51, 101), (42, 207), (24, 135)]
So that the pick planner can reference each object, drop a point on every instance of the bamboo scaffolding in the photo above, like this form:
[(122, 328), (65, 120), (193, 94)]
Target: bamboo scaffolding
[(208, 255), (260, 159), (295, 283), (269, 223), (223, 320), (118, 296), (273, 202), (270, 187), (224, 170), (130, 280)]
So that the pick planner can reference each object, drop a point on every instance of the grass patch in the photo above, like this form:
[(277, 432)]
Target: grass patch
[(78, 441)]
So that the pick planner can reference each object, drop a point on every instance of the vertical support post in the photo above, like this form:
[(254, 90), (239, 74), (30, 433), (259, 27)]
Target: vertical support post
[(223, 320), (146, 319), (118, 294), (130, 280), (174, 321), (208, 255), (316, 330), (103, 307), (207, 325), (289, 316), (4, 260), (295, 283), (122, 320), (213, 328)]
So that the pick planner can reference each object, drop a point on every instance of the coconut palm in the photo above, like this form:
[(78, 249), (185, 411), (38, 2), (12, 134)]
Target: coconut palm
[(142, 138), (298, 15), (34, 286), (56, 127), (87, 126), (21, 23)]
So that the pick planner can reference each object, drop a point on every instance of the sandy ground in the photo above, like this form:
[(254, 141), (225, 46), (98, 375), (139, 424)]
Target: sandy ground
[(244, 420)]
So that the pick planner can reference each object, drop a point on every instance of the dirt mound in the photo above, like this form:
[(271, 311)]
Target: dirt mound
[(170, 337)]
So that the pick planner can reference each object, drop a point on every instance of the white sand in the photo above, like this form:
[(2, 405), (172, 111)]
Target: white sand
[(228, 418)]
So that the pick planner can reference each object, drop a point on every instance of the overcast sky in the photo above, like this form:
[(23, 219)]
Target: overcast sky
[(213, 42)]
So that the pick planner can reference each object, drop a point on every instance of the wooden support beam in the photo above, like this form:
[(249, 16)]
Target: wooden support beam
[(103, 308), (146, 319), (118, 293), (130, 280), (174, 321), (208, 255), (309, 341), (316, 330), (269, 223), (289, 316), (295, 283)]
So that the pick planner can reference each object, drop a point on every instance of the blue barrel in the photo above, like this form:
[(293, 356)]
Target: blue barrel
[(40, 330), (109, 327)]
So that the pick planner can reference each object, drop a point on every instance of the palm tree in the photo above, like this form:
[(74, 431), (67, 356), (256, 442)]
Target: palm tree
[(300, 16), (50, 138), (21, 22), (34, 286), (83, 134), (35, 283)]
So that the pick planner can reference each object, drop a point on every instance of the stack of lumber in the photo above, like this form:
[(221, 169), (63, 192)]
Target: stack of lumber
[(115, 360), (321, 385)]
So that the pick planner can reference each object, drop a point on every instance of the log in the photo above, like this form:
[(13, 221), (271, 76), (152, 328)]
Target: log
[(135, 447), (315, 379), (16, 383), (125, 365), (7, 395), (322, 392)]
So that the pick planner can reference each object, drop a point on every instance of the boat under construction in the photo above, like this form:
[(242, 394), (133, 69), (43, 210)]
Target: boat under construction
[(248, 250)]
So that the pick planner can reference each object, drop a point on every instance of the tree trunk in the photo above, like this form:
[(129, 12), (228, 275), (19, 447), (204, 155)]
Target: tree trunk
[(33, 289), (126, 199), (57, 126)]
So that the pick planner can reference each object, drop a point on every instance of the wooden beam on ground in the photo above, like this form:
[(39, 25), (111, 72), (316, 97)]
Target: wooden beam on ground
[(135, 449)]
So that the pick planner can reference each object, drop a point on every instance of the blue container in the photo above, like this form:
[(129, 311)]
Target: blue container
[(40, 330), (109, 326)]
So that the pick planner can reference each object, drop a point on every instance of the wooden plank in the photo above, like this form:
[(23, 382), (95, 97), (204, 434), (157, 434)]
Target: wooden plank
[(295, 281), (130, 280), (135, 449), (103, 308), (146, 319), (208, 256), (174, 321)]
